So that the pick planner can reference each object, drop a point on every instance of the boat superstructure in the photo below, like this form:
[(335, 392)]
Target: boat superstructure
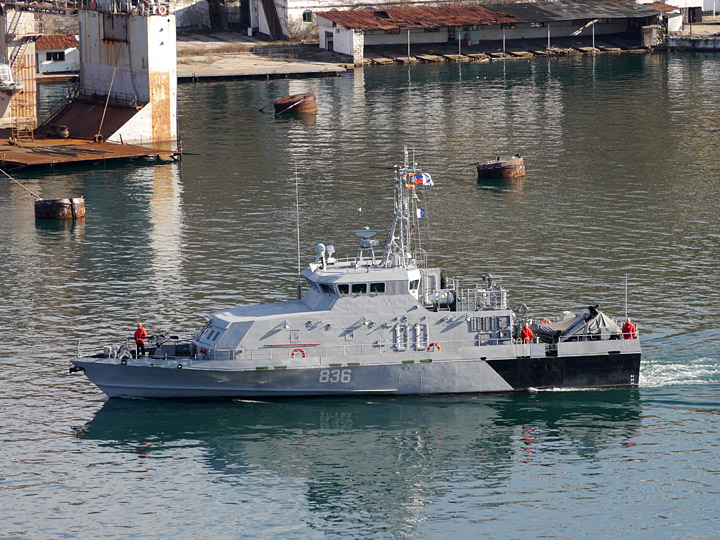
[(381, 322)]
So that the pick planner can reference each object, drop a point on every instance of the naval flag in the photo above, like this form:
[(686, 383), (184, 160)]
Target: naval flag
[(423, 178)]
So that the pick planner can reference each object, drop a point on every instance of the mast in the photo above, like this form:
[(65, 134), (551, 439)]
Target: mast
[(398, 243)]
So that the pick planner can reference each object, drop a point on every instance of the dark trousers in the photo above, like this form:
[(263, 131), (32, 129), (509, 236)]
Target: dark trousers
[(140, 350)]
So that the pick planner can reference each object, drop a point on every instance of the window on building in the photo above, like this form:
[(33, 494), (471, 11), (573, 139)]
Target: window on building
[(307, 16), (55, 56)]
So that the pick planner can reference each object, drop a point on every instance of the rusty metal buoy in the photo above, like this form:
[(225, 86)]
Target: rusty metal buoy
[(60, 208)]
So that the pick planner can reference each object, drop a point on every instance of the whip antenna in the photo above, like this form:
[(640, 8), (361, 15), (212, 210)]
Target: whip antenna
[(626, 312), (297, 222)]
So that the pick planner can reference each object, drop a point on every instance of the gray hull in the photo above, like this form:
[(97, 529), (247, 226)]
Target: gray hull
[(417, 378)]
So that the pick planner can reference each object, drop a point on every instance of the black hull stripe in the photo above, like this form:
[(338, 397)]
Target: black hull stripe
[(593, 371)]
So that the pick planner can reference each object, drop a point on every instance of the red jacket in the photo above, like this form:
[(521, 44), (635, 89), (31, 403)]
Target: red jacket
[(526, 335), (629, 330), (140, 335)]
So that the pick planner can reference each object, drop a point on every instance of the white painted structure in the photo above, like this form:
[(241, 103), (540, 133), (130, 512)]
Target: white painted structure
[(132, 57), (57, 55), (297, 17)]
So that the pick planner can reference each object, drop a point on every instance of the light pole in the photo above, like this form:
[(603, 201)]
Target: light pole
[(548, 37)]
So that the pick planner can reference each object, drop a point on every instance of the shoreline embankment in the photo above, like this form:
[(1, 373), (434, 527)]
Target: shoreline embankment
[(231, 55)]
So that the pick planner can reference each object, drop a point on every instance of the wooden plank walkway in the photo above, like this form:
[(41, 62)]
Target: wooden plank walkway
[(57, 152)]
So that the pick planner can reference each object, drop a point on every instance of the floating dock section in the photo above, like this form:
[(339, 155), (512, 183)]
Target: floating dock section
[(59, 152)]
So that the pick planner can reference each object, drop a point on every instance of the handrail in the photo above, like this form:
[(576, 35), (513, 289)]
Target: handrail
[(434, 348)]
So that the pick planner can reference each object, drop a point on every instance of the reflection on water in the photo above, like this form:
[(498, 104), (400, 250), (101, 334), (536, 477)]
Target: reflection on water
[(379, 463), (622, 179)]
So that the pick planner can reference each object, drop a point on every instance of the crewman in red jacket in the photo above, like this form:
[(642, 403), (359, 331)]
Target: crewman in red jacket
[(526, 335), (140, 335), (629, 330)]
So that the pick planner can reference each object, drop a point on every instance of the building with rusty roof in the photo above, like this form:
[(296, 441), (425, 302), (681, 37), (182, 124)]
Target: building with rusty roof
[(348, 32), (57, 54)]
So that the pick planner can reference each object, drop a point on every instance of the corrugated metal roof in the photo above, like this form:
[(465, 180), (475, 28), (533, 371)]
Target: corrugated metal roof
[(576, 10), (45, 43), (486, 14), (419, 17)]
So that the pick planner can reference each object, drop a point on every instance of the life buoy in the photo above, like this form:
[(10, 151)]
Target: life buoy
[(162, 10), (296, 352), (93, 4), (545, 321), (434, 347)]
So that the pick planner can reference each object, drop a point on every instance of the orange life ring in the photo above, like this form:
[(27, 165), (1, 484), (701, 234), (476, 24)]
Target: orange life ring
[(545, 321), (297, 351), (93, 4), (162, 10), (434, 347)]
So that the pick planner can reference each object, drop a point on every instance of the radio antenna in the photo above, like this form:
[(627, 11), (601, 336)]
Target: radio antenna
[(297, 222), (626, 310)]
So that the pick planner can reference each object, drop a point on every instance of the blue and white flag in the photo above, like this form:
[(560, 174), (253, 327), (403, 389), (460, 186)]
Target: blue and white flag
[(420, 212), (422, 178)]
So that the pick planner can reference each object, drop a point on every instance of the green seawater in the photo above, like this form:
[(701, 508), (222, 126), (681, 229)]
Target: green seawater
[(623, 176)]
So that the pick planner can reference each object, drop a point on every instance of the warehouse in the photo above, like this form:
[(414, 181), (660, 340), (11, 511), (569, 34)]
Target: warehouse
[(349, 32)]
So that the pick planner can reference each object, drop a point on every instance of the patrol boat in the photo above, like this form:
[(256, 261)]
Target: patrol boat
[(376, 324)]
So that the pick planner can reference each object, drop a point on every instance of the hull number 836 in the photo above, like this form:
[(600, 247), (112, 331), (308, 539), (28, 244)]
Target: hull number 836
[(335, 376)]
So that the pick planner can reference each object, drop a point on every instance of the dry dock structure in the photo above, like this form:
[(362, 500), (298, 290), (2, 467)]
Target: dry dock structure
[(125, 104)]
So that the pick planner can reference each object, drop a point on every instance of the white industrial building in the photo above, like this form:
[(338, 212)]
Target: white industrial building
[(349, 32)]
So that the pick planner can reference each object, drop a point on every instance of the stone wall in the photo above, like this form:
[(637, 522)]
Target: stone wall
[(693, 43), (54, 24)]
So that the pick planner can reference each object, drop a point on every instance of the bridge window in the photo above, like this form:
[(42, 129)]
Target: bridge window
[(414, 284), (377, 288), (327, 289), (312, 284), (359, 288), (343, 288)]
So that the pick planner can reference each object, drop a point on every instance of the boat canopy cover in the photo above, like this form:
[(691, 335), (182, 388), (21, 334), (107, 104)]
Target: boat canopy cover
[(597, 323)]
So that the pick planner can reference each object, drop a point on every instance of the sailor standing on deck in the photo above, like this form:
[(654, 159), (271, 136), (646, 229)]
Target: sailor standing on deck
[(526, 335), (140, 335), (629, 330)]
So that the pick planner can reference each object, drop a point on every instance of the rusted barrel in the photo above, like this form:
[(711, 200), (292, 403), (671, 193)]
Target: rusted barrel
[(296, 103), (60, 208), (511, 167)]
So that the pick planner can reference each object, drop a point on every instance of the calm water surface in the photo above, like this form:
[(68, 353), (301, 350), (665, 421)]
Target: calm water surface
[(623, 178)]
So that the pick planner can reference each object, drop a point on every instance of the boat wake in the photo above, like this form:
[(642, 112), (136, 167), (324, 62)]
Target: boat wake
[(683, 359), (680, 371)]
